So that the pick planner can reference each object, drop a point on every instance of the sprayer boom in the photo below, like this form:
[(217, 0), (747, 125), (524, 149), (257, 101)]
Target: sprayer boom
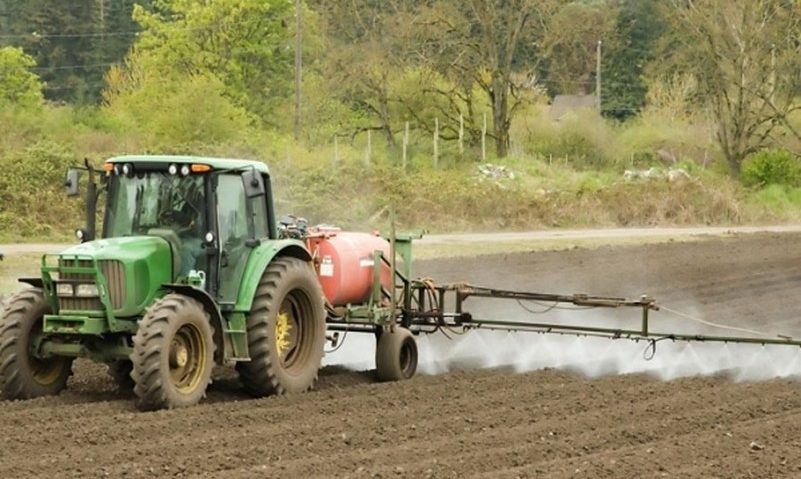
[(401, 309)]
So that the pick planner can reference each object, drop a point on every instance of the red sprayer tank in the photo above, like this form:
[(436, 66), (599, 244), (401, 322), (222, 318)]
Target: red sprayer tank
[(344, 264)]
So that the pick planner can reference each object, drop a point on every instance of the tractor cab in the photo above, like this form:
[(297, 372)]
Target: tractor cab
[(209, 212), (156, 203)]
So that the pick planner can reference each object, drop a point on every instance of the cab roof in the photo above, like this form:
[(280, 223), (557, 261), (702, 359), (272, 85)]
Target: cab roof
[(215, 163)]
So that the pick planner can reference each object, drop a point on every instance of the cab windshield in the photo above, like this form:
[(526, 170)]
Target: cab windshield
[(154, 201)]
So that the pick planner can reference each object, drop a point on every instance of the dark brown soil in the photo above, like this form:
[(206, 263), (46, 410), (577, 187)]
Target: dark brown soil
[(469, 423)]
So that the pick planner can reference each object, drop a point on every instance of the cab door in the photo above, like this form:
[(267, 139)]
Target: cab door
[(239, 220)]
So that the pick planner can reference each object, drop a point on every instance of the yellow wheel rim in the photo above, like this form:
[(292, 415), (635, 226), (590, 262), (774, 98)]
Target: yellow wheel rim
[(282, 333), (187, 358), (45, 371)]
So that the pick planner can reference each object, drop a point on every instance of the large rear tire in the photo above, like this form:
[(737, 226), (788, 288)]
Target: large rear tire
[(23, 375), (286, 330), (396, 355), (173, 354)]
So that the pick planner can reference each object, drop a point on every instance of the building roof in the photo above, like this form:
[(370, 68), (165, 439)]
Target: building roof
[(563, 104)]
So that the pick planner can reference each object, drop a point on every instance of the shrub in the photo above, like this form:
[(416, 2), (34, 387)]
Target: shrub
[(582, 139), (32, 201), (18, 85), (180, 114), (771, 167)]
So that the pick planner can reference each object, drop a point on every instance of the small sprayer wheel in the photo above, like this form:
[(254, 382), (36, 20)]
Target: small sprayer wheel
[(396, 355)]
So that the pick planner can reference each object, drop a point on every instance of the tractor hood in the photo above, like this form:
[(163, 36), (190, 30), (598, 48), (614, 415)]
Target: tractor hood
[(128, 248), (133, 267)]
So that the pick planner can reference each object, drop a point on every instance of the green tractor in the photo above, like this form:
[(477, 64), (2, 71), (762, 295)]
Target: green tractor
[(188, 273)]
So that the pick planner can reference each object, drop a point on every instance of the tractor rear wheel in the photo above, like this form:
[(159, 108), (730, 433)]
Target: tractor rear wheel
[(396, 355), (173, 354), (22, 374), (286, 330)]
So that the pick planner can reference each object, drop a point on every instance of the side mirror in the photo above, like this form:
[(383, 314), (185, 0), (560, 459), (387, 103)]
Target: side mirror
[(72, 182), (254, 183), (82, 235)]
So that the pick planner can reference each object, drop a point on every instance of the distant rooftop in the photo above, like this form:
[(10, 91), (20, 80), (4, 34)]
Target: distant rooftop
[(564, 104)]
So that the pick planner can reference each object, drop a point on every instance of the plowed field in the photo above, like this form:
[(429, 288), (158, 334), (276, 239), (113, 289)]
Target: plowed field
[(562, 407)]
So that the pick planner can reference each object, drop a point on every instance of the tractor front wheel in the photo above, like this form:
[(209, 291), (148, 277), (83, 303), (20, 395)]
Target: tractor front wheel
[(286, 330), (173, 354), (23, 375), (396, 355)]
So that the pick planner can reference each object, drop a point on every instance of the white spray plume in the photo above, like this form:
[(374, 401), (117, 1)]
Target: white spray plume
[(590, 356)]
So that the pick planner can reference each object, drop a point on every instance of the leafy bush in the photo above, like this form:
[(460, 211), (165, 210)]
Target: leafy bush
[(32, 202), (771, 167), (581, 139), (179, 114), (17, 84)]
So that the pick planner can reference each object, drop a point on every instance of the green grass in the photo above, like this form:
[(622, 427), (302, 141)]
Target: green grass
[(16, 266), (567, 175)]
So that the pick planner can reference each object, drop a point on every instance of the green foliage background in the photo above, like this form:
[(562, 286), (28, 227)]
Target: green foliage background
[(96, 79)]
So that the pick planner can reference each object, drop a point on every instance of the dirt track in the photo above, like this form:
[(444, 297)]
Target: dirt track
[(469, 423)]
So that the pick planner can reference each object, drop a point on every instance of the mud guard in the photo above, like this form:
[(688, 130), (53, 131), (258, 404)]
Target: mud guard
[(225, 346), (261, 256), (35, 282)]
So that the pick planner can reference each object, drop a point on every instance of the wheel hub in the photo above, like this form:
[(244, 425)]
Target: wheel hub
[(45, 370), (179, 355), (282, 331), (187, 358)]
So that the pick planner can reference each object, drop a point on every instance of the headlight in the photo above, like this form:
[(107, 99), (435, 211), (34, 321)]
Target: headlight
[(87, 290), (64, 289)]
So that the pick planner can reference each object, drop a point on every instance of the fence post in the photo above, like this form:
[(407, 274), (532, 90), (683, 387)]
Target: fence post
[(436, 143), (405, 144), (461, 134), (369, 152), (484, 139)]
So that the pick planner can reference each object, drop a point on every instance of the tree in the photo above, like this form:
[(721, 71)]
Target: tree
[(364, 54), (73, 43), (494, 44), (244, 43), (18, 85), (177, 111), (570, 45), (639, 25), (744, 54)]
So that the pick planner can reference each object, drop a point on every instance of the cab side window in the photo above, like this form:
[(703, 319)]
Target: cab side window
[(232, 208), (239, 218)]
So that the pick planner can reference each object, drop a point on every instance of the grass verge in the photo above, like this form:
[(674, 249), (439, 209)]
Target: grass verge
[(17, 266)]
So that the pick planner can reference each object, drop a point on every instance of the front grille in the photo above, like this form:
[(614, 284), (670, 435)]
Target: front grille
[(115, 279), (80, 304)]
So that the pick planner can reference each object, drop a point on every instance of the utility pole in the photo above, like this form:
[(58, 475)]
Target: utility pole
[(598, 77), (436, 143), (298, 63)]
